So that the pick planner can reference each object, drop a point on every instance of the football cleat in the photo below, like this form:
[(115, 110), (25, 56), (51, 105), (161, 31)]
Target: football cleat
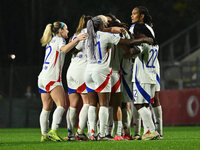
[(70, 138), (118, 138), (92, 138), (137, 137), (160, 137), (109, 136), (52, 135), (81, 137), (127, 137), (99, 138), (150, 136), (44, 138)]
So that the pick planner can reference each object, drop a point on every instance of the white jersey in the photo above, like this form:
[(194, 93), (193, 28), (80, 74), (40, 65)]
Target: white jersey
[(54, 60), (98, 71), (117, 54), (157, 66), (77, 67), (144, 70), (79, 59), (102, 52)]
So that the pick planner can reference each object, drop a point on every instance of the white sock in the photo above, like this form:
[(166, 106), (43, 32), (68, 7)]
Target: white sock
[(69, 126), (88, 126), (57, 117), (145, 127), (44, 121), (146, 118), (83, 117), (103, 118), (110, 121), (92, 119), (98, 126), (129, 118), (158, 119), (118, 126), (72, 117), (136, 121)]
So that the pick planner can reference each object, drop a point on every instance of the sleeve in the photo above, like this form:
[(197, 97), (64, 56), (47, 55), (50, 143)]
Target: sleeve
[(126, 36), (79, 45), (61, 43), (131, 28), (113, 38), (151, 30)]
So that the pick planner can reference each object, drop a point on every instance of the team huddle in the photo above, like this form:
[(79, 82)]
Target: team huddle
[(114, 71)]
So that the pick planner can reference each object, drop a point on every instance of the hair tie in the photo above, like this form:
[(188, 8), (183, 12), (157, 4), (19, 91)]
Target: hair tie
[(61, 26)]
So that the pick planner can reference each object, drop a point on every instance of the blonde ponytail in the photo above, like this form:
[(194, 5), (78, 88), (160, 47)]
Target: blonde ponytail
[(81, 24), (47, 35)]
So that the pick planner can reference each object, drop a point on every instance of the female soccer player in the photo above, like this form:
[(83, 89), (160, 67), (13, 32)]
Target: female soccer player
[(49, 79), (140, 14), (144, 80), (76, 84)]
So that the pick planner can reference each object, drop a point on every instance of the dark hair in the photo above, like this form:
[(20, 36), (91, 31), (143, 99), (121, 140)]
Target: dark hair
[(93, 25), (142, 29), (86, 20), (116, 23), (147, 17)]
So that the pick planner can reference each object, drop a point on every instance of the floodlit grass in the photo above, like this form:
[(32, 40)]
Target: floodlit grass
[(178, 138)]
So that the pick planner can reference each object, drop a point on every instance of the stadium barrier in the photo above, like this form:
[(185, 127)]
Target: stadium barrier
[(181, 107)]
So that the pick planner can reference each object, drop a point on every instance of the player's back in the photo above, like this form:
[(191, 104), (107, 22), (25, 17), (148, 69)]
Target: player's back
[(79, 58), (54, 59), (102, 51), (144, 70)]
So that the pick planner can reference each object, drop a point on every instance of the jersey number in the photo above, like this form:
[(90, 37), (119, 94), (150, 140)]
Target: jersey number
[(50, 49), (152, 58), (99, 47)]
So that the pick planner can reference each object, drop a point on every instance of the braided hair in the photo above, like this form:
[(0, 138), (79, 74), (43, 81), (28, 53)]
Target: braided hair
[(147, 17)]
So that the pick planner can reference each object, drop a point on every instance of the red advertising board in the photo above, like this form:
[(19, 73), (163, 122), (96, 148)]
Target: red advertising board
[(181, 107)]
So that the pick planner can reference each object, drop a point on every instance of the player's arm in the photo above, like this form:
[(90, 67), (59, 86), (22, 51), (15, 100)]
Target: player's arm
[(114, 30), (133, 42), (130, 52), (66, 48)]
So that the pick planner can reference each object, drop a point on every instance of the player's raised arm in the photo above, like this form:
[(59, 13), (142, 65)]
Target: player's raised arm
[(73, 43)]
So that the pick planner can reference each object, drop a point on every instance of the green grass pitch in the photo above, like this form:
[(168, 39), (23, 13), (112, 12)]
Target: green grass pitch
[(175, 138)]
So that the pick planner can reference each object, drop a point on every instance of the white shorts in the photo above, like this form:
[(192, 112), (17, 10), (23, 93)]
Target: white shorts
[(127, 87), (75, 81), (45, 86), (116, 82), (143, 93), (97, 82)]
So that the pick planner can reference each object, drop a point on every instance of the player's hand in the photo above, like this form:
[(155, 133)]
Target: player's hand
[(117, 30), (123, 31), (148, 40), (82, 37)]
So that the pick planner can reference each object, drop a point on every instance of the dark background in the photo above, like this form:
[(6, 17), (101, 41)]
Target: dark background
[(22, 23)]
